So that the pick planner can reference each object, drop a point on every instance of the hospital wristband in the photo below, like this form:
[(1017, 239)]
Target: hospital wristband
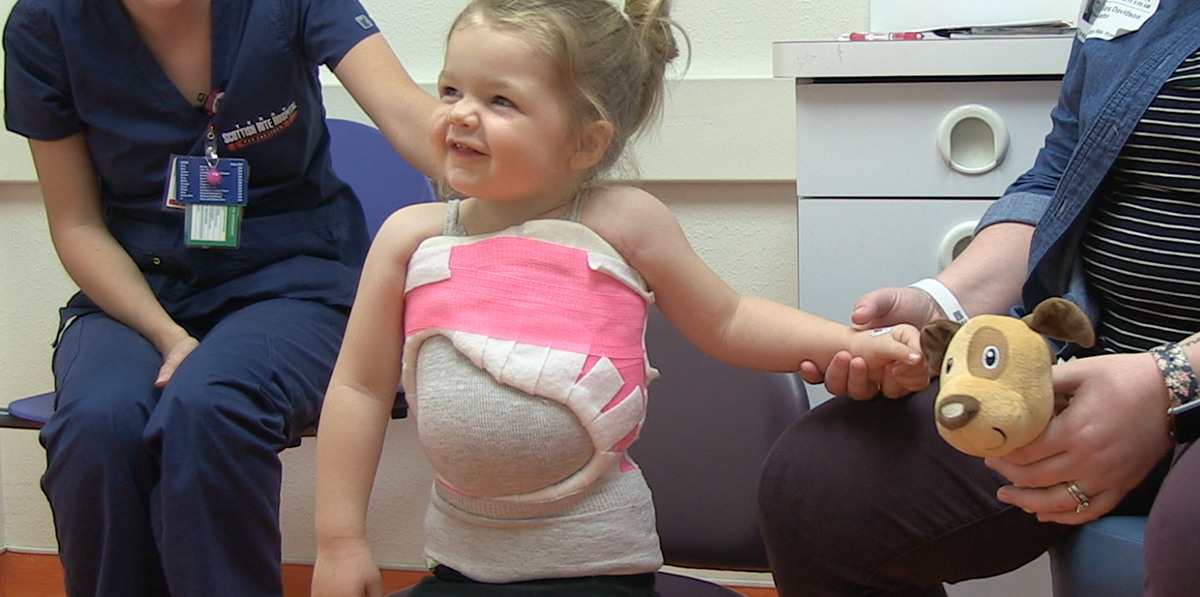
[(944, 299)]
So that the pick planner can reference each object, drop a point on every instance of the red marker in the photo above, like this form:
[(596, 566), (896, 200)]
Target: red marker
[(907, 35)]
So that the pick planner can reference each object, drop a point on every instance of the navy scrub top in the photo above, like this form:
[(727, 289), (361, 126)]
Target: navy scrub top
[(79, 65)]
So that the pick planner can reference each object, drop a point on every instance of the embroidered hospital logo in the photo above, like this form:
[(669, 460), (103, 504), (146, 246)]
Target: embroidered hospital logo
[(261, 129), (364, 21)]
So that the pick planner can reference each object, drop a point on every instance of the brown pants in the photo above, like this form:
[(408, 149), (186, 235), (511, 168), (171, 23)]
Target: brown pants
[(865, 498)]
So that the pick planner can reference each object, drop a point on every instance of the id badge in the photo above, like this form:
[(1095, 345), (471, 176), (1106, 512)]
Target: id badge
[(1110, 19), (212, 202)]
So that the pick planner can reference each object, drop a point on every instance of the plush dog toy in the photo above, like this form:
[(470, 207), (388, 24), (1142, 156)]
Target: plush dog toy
[(997, 394)]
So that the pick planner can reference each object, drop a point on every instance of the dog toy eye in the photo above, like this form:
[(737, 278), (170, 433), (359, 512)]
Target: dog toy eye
[(991, 357), (949, 364)]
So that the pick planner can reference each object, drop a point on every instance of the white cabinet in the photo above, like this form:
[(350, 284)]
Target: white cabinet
[(900, 147)]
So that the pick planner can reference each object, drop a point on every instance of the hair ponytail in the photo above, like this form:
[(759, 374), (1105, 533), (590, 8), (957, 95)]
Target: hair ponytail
[(654, 30), (651, 20)]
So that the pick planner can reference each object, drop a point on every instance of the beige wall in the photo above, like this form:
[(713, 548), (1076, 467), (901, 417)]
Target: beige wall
[(723, 160)]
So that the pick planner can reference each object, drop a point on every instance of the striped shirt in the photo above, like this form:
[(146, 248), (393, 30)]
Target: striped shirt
[(1141, 248)]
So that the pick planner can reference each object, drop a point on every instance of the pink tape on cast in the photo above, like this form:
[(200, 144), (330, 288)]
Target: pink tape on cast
[(540, 293)]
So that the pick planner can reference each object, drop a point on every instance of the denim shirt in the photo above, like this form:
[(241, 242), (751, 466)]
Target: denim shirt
[(1106, 89)]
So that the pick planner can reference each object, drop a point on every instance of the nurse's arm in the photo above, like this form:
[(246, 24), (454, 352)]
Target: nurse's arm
[(88, 251), (384, 90)]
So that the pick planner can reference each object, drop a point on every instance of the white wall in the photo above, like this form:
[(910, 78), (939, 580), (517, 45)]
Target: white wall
[(723, 160)]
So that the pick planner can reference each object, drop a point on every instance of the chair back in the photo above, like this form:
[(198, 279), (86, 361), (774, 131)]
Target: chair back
[(709, 427), (383, 181)]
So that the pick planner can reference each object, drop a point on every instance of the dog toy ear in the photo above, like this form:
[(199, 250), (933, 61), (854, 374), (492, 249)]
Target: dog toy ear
[(935, 337), (1061, 319)]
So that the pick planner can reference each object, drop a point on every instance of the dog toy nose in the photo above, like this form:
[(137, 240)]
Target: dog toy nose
[(957, 410)]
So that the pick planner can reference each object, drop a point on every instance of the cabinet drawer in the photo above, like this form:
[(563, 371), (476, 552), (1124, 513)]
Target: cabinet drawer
[(881, 139), (848, 247)]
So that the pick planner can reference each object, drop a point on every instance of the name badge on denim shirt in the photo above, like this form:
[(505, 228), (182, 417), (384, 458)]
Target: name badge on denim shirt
[(212, 195), (1110, 19)]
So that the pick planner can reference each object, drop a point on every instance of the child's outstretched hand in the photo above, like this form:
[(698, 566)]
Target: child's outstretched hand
[(894, 360)]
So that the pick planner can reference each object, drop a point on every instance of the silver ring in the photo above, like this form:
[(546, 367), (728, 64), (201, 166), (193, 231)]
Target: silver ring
[(1082, 499)]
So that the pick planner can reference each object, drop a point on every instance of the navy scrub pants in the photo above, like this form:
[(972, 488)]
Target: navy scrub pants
[(176, 492), (865, 498)]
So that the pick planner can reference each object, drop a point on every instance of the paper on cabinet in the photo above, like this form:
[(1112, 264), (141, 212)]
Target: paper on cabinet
[(927, 15)]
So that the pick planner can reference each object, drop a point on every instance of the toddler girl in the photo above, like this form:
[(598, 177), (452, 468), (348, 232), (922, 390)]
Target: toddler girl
[(515, 317)]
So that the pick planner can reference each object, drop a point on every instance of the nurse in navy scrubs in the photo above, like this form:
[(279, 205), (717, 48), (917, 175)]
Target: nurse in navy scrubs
[(184, 161)]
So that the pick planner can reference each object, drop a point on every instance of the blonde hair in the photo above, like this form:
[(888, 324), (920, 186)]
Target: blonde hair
[(612, 65)]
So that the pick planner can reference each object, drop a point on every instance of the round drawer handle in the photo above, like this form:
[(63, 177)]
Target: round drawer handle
[(973, 139), (954, 242)]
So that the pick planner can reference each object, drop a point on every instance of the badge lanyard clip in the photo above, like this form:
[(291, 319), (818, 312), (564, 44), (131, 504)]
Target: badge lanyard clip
[(213, 176), (212, 190)]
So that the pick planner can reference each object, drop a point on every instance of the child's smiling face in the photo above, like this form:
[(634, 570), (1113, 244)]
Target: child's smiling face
[(503, 128)]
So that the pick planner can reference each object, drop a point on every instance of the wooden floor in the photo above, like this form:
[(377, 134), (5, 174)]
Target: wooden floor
[(40, 575)]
